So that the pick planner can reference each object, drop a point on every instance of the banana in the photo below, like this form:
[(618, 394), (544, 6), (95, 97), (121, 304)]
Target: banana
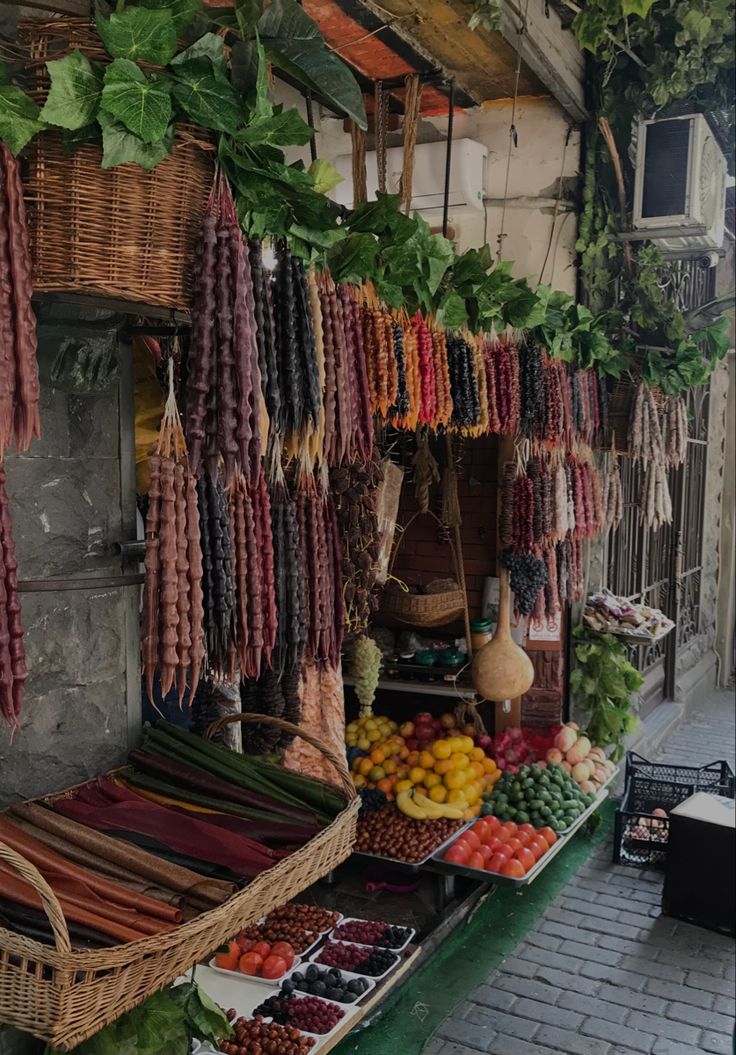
[(410, 807)]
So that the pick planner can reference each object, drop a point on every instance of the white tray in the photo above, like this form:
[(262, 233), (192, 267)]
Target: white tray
[(350, 1011), (357, 919), (350, 975), (322, 933), (253, 977), (319, 935), (368, 949)]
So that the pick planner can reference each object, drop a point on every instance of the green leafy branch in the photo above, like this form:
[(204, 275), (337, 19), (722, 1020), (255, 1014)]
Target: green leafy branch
[(603, 683)]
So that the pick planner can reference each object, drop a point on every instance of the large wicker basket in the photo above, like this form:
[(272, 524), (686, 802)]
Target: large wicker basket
[(119, 232), (65, 996)]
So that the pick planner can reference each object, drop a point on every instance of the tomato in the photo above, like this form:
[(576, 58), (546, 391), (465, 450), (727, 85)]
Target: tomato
[(526, 858), (514, 869), (245, 944), (549, 835), (528, 829), (482, 830), (495, 844), (493, 823), (538, 846), (485, 852), (471, 838), (251, 963), (496, 863), (524, 837), (284, 950), (476, 861), (514, 844), (457, 855), (511, 827), (262, 949), (228, 957), (274, 967), (503, 835), (464, 844)]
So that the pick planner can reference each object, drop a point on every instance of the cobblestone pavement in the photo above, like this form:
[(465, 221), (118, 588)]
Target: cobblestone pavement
[(603, 972)]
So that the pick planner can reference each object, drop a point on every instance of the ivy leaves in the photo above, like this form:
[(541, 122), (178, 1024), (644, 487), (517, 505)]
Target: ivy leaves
[(139, 34), (20, 118), (74, 97), (603, 684), (141, 103)]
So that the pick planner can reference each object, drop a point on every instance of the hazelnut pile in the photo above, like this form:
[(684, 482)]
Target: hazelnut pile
[(387, 832), (312, 917), (253, 1036)]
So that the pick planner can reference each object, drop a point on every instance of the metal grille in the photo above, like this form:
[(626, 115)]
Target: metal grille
[(664, 568)]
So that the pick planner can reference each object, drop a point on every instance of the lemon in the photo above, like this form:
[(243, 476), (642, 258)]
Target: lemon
[(438, 793), (441, 749), (467, 743), (417, 774), (455, 779), (459, 761), (456, 798), (432, 780), (403, 785)]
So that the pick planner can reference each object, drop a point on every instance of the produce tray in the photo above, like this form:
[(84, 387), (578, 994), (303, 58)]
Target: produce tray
[(599, 798), (414, 866), (351, 1012), (494, 877), (320, 934), (350, 975), (368, 948), (251, 977), (357, 919)]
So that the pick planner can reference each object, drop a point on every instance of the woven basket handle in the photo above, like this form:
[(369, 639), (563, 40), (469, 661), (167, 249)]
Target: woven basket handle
[(50, 903), (405, 531), (252, 719)]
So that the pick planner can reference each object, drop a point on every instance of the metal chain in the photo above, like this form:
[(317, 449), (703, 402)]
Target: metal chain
[(381, 108)]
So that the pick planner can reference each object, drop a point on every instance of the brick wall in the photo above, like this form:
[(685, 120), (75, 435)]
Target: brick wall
[(423, 556)]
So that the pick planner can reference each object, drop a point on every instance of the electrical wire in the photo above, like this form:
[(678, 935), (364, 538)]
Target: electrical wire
[(512, 128), (558, 201)]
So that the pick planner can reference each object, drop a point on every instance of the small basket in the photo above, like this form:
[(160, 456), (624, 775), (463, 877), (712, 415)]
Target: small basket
[(64, 996), (640, 837), (422, 609), (119, 232)]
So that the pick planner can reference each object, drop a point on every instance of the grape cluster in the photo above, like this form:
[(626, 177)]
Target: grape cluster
[(366, 669), (528, 575), (371, 799)]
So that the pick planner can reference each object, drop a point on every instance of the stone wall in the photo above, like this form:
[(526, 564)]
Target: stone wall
[(72, 497)]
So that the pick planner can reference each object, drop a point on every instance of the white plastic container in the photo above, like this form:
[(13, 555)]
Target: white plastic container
[(354, 919)]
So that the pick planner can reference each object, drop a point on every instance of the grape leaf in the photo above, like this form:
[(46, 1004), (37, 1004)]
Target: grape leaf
[(636, 7), (74, 97), (183, 12), (139, 35), (19, 118), (210, 46), (142, 104), (206, 98), (121, 147), (281, 128), (294, 43), (325, 176)]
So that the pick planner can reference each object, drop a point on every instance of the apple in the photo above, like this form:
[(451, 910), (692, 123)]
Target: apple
[(469, 729), (412, 743), (407, 729), (423, 716), (447, 720)]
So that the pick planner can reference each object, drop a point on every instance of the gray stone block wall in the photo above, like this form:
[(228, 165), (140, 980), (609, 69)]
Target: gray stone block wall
[(72, 497)]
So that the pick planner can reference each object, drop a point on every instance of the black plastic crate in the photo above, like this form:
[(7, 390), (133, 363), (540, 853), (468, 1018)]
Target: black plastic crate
[(640, 837)]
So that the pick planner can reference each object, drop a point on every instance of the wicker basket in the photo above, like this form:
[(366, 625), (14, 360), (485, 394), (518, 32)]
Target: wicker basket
[(422, 609), (65, 996), (118, 232)]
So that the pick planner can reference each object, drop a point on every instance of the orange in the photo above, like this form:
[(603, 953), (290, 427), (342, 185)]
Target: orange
[(456, 797), (489, 765), (476, 768), (443, 766), (438, 793), (441, 749), (385, 785), (377, 756), (455, 743), (477, 754), (389, 767), (495, 777), (365, 767), (417, 774), (413, 758), (459, 760), (431, 780), (467, 744), (471, 794), (455, 779), (426, 759)]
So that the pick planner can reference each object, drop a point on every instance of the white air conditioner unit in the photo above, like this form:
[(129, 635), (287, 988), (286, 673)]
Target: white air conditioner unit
[(468, 168), (680, 184)]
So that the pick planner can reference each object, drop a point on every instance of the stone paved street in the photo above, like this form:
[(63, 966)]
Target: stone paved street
[(603, 972)]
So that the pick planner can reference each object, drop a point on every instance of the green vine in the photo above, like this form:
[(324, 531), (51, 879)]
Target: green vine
[(602, 684)]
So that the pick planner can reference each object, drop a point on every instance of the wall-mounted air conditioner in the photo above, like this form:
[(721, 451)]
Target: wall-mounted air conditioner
[(467, 175), (680, 184)]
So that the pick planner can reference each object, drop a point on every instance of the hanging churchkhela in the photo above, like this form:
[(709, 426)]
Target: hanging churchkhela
[(223, 411), (646, 444), (19, 385), (354, 488), (173, 611), (13, 669)]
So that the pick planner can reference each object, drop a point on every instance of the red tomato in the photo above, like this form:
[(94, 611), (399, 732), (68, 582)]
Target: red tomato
[(482, 830), (251, 963), (228, 957), (457, 855), (503, 835), (513, 868), (496, 863), (528, 829), (548, 834), (476, 861), (471, 838), (526, 858), (485, 852), (262, 948), (514, 844), (524, 837), (462, 841), (245, 944), (274, 967), (495, 844), (506, 852), (511, 827), (284, 950), (493, 823), (538, 846)]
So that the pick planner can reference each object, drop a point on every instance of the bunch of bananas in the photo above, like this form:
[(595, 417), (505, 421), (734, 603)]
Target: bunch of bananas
[(421, 807)]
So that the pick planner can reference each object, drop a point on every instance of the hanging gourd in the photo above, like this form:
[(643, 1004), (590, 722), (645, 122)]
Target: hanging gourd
[(501, 669)]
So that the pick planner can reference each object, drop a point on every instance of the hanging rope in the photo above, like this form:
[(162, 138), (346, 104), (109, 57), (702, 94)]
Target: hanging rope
[(412, 106), (512, 129), (360, 174), (381, 119)]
